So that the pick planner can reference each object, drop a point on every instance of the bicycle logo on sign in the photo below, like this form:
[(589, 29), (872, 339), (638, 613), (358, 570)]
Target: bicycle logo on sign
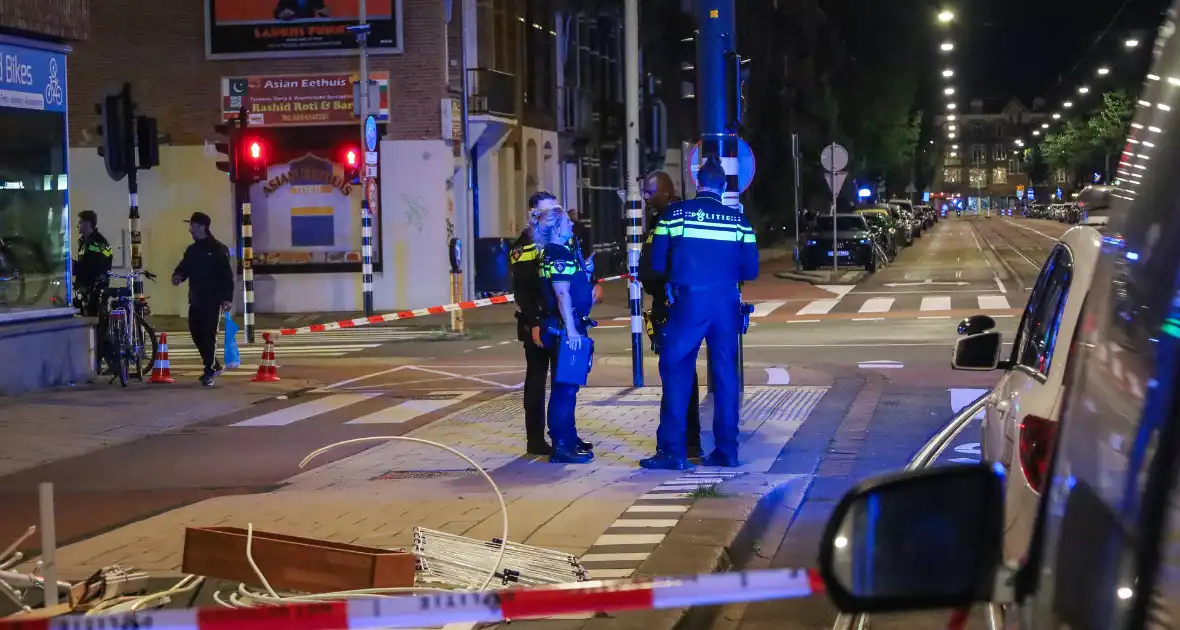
[(53, 92)]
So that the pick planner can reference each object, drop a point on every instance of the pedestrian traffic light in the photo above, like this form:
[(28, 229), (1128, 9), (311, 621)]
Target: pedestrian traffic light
[(351, 161), (253, 163), (117, 135)]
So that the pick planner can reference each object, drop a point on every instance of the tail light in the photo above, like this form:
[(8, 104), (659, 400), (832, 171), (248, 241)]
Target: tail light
[(1036, 448)]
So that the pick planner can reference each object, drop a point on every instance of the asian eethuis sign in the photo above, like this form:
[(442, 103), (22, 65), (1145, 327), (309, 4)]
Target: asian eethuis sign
[(297, 28)]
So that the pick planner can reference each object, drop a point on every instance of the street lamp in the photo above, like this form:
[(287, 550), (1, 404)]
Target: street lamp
[(1083, 90), (955, 147), (1103, 71), (952, 128), (1036, 132), (948, 73), (1131, 43), (945, 17), (1067, 104), (950, 105), (1044, 125), (950, 117), (1056, 116), (949, 91), (947, 47), (951, 135)]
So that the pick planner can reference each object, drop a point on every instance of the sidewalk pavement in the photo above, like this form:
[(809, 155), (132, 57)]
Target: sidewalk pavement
[(43, 427), (603, 512)]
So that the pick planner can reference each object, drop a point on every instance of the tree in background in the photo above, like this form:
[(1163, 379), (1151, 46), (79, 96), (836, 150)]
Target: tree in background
[(1089, 143), (1107, 127)]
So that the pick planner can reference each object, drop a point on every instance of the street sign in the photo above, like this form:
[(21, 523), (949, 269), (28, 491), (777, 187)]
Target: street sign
[(746, 165), (1020, 192), (371, 157), (372, 196), (370, 171), (834, 158), (371, 133), (836, 180)]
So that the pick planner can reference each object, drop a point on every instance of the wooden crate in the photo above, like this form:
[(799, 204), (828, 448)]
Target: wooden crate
[(292, 563)]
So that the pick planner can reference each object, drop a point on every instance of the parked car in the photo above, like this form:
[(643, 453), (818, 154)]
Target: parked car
[(893, 217), (856, 244), (915, 216)]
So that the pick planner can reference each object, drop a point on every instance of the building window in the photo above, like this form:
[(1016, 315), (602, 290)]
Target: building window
[(978, 130), (1014, 166), (1062, 176), (951, 159), (999, 152), (999, 175), (952, 175), (540, 66), (979, 154), (1001, 131), (978, 178)]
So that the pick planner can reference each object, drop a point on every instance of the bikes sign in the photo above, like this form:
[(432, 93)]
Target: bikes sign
[(32, 79)]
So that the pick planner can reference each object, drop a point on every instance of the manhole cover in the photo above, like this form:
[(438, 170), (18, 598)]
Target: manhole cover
[(423, 474)]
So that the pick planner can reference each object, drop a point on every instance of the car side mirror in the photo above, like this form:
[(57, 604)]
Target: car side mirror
[(976, 324), (918, 540), (978, 352)]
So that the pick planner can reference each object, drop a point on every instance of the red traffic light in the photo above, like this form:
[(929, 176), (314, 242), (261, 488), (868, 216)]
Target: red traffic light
[(255, 150), (350, 157)]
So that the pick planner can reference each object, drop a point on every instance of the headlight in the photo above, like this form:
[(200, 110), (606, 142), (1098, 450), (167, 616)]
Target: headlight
[(864, 241), (811, 242)]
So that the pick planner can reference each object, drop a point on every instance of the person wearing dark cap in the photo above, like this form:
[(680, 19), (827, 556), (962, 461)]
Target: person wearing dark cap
[(93, 263), (206, 267)]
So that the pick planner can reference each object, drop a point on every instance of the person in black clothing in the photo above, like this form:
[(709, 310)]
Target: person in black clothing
[(659, 193), (92, 265), (206, 267), (527, 287)]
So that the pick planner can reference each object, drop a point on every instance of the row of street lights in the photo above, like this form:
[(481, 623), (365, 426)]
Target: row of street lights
[(946, 18)]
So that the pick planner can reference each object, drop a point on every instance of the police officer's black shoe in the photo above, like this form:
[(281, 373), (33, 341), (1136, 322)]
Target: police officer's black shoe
[(583, 445), (694, 451), (716, 458), (568, 453), (539, 448), (664, 461)]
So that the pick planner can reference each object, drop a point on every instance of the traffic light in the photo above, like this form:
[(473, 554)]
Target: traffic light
[(687, 54), (117, 151), (351, 161), (253, 162), (147, 142), (226, 146)]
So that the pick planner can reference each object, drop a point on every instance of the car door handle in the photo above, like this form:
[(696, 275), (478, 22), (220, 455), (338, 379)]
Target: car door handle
[(1002, 406)]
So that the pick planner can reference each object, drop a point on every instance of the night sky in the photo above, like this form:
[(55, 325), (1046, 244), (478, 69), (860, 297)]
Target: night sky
[(1027, 48)]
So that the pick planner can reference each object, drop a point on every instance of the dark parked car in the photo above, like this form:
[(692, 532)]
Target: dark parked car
[(856, 242)]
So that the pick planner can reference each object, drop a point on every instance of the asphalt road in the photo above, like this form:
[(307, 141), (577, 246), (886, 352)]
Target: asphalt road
[(886, 364)]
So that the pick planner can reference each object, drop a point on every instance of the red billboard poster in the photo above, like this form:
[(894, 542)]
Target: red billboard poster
[(304, 99), (239, 29)]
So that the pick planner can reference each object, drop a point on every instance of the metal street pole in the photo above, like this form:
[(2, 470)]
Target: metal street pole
[(634, 201), (362, 38), (795, 161), (835, 244)]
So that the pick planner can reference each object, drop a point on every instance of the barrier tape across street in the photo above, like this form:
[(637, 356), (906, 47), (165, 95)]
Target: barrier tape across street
[(410, 314), (426, 611)]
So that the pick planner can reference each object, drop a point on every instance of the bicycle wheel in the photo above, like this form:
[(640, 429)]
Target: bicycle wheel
[(116, 353), (147, 347)]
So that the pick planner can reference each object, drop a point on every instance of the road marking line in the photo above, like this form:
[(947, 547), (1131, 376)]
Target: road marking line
[(645, 522), (628, 539), (804, 321), (868, 319), (355, 379), (658, 508), (635, 556), (762, 309), (303, 411), (885, 365), (483, 347), (935, 317), (819, 307), (664, 496), (453, 375), (410, 409), (997, 302), (876, 305), (777, 376), (999, 284), (936, 303)]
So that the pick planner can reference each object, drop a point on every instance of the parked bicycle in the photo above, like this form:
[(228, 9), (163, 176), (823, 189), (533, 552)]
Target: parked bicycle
[(127, 339)]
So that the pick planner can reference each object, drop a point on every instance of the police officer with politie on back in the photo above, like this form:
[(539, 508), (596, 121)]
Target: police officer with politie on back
[(705, 250)]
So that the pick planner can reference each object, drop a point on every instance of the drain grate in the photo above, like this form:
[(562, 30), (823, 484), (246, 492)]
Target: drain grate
[(393, 475)]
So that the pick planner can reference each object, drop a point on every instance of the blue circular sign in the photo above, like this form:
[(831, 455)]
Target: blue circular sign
[(371, 133), (746, 164)]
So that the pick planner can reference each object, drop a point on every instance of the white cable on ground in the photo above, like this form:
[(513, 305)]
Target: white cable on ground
[(499, 496)]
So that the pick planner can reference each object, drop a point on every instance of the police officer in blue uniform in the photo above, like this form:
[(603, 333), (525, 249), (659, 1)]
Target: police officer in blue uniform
[(569, 292), (705, 250)]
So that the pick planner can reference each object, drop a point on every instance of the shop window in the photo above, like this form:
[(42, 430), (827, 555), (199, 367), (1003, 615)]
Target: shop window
[(35, 246), (978, 178), (307, 215), (952, 175), (999, 175)]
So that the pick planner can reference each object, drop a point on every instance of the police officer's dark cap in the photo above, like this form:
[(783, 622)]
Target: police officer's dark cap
[(88, 216), (200, 218)]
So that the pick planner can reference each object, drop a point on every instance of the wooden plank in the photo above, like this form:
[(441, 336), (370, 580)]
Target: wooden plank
[(294, 563)]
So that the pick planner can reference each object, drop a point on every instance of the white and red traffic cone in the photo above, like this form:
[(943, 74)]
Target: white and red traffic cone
[(162, 371), (268, 370)]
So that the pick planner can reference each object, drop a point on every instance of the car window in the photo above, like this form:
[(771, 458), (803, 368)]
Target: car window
[(844, 223), (1037, 340)]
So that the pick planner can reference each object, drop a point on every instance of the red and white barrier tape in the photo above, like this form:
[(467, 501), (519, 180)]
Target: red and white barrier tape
[(418, 312), (426, 611)]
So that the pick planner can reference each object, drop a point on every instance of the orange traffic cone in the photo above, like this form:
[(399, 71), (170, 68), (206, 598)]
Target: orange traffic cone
[(161, 372), (268, 371)]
